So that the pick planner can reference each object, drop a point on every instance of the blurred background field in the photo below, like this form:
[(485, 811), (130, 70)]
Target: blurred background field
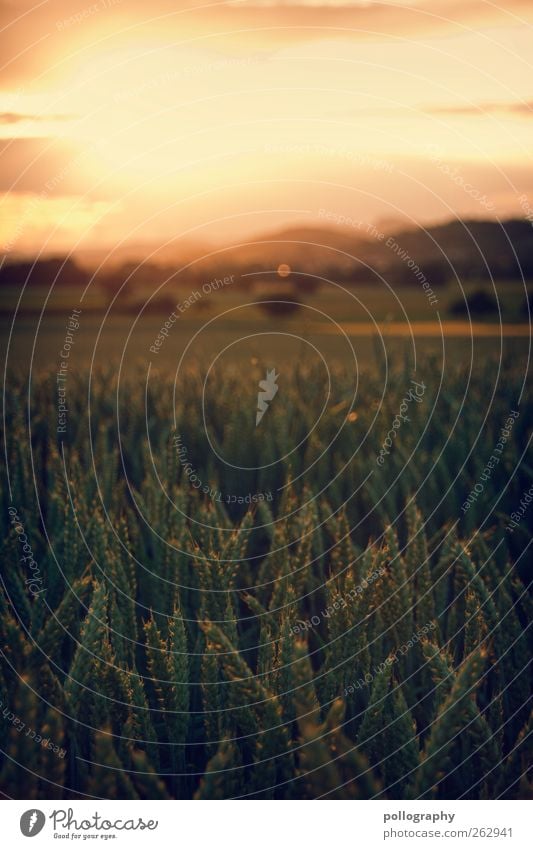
[(363, 313), (450, 275)]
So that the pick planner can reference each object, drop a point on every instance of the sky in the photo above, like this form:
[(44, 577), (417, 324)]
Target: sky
[(168, 122)]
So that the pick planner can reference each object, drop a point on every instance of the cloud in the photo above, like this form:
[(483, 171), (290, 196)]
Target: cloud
[(38, 43), (308, 20), (36, 165), (17, 118), (37, 38), (476, 110)]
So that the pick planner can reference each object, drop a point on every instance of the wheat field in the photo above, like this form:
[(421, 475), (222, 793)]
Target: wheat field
[(282, 617)]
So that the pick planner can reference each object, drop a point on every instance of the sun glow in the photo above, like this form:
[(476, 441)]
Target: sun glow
[(161, 117)]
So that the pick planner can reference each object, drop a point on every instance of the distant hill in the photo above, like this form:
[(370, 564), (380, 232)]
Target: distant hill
[(474, 250)]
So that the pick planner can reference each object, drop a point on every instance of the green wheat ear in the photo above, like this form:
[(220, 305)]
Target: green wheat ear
[(256, 711), (370, 738), (453, 715), (179, 695), (108, 778), (318, 774), (418, 567), (221, 777), (89, 647), (515, 780), (60, 625), (148, 784)]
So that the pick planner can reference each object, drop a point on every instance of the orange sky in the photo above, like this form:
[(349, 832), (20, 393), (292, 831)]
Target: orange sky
[(155, 121)]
